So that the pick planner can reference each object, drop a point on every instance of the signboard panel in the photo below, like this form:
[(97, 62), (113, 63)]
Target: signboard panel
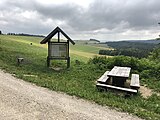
[(58, 50)]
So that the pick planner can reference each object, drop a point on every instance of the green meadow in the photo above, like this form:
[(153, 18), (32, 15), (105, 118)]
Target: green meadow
[(78, 51), (79, 80)]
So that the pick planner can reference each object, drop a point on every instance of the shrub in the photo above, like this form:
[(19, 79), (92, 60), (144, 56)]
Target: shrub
[(146, 67), (116, 61)]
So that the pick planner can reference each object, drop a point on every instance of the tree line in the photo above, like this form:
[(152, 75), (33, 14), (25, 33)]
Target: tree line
[(24, 34), (126, 52), (133, 49)]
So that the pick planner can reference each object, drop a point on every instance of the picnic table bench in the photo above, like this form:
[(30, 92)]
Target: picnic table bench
[(128, 90), (135, 81), (103, 78)]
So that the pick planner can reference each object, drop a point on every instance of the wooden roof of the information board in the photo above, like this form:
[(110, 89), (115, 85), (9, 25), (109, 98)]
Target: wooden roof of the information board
[(56, 30)]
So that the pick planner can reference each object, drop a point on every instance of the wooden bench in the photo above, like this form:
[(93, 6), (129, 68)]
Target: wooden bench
[(128, 90), (103, 79), (135, 81)]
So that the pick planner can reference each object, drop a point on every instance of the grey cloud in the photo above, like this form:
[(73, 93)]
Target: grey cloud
[(143, 14), (12, 13), (60, 12), (112, 16), (119, 18), (17, 5)]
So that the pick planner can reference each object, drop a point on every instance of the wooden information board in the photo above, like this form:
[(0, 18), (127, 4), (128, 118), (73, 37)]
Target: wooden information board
[(58, 50)]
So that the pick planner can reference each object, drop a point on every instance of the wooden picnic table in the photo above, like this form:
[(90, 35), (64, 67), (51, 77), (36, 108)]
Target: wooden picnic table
[(119, 75)]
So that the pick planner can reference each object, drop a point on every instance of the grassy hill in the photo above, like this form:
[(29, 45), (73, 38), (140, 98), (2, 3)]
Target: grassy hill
[(79, 79), (79, 51)]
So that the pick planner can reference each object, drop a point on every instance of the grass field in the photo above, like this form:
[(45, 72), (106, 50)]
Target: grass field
[(79, 80), (78, 51)]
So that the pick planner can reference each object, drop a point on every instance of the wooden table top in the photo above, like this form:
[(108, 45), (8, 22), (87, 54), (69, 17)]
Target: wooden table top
[(120, 72)]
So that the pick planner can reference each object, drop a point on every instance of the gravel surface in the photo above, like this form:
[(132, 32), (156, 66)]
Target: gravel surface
[(20, 100)]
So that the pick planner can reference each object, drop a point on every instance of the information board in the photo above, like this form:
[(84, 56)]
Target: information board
[(59, 50)]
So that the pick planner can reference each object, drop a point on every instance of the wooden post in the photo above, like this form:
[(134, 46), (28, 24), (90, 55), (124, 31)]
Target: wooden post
[(68, 62), (68, 48), (19, 61), (48, 61), (58, 36)]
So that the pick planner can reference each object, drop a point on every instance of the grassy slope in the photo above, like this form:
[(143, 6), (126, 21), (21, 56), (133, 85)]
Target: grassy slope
[(78, 51), (79, 80)]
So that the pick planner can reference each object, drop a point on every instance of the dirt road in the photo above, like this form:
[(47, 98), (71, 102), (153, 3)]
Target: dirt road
[(20, 100)]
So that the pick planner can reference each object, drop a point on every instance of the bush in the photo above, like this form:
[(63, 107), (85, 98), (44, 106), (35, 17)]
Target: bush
[(100, 62), (116, 61), (145, 67)]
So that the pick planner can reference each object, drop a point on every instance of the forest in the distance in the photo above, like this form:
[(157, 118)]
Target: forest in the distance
[(138, 49)]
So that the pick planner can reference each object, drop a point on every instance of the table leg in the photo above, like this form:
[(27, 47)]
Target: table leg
[(118, 81)]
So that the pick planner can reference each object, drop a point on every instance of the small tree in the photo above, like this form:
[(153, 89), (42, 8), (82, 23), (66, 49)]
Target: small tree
[(0, 32)]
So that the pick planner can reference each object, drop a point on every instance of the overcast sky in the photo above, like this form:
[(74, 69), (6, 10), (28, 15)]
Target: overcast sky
[(83, 19)]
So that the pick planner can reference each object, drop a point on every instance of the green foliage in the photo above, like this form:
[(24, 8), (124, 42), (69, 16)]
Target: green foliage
[(155, 54), (110, 62), (127, 45), (126, 48), (133, 52)]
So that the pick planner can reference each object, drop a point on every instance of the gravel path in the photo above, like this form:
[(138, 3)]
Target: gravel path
[(20, 100)]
